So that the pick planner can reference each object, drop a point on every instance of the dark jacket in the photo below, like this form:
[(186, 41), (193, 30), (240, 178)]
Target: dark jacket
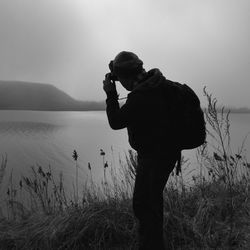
[(145, 115)]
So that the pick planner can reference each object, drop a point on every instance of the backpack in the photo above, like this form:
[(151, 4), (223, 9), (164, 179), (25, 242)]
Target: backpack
[(186, 116)]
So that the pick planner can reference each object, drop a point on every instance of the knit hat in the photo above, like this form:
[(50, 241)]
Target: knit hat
[(127, 65)]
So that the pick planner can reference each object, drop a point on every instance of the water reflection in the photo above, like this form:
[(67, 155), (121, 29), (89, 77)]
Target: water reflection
[(27, 128)]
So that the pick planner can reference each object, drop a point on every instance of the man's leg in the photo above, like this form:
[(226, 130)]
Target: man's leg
[(151, 178)]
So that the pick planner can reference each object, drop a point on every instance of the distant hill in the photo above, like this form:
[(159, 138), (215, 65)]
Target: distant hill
[(238, 110), (17, 95), (242, 110)]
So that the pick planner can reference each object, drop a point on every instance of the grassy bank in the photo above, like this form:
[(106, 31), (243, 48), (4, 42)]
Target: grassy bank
[(211, 213)]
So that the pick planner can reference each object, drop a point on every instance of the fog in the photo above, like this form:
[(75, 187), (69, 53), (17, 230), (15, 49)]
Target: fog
[(69, 43)]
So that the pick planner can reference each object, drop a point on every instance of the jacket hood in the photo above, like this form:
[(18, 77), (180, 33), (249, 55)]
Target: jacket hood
[(153, 80)]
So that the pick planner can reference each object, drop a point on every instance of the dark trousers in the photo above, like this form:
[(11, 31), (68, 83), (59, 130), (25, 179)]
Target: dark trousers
[(151, 178)]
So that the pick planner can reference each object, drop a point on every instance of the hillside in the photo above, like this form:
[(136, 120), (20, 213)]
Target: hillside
[(38, 96), (18, 95)]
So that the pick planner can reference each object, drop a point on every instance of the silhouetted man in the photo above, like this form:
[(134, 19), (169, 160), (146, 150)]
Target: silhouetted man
[(145, 116)]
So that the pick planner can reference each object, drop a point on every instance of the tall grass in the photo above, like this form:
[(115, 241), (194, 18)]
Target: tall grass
[(213, 213)]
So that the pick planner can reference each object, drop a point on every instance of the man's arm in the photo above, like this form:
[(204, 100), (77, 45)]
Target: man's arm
[(118, 117)]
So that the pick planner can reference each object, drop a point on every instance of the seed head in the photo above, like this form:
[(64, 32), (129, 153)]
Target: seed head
[(217, 157), (238, 156), (89, 166), (27, 181), (232, 158), (75, 155), (41, 172)]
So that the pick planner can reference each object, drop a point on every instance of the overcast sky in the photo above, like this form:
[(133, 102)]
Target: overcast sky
[(69, 43)]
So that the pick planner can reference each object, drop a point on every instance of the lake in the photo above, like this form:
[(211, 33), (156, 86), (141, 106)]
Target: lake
[(49, 138)]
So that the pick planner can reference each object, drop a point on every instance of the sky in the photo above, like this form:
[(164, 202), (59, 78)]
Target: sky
[(69, 43)]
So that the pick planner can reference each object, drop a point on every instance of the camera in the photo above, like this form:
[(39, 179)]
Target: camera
[(113, 77)]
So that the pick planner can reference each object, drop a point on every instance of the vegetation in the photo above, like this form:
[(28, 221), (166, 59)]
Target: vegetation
[(212, 213)]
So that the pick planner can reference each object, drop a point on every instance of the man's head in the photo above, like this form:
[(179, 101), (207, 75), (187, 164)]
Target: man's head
[(126, 67)]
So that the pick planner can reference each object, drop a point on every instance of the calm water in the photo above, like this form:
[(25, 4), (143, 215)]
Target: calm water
[(49, 138)]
